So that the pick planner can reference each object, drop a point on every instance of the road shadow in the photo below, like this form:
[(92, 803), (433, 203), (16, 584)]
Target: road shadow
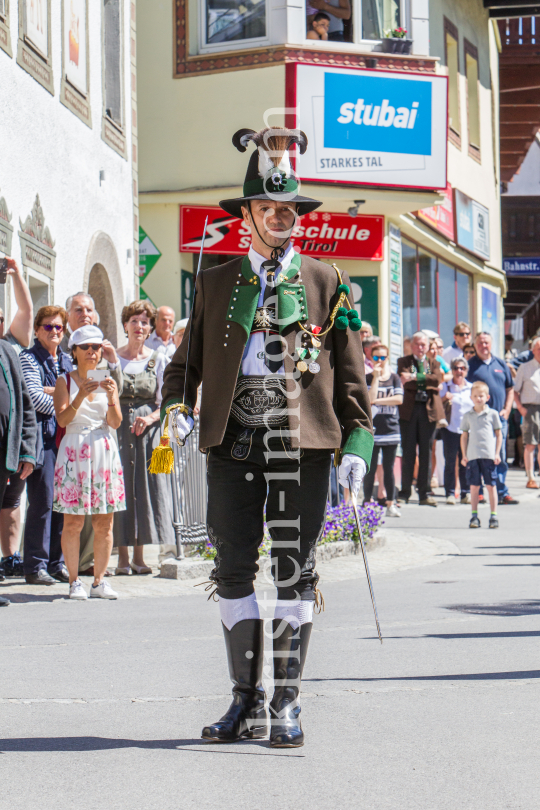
[(82, 744), (527, 607), (472, 676), (450, 636), (24, 598)]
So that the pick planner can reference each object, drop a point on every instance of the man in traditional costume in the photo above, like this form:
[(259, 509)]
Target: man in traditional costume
[(276, 344)]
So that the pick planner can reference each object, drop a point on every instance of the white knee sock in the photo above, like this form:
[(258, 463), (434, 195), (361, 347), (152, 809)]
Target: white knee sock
[(233, 611), (294, 612)]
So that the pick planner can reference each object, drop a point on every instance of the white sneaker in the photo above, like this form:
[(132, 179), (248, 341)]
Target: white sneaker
[(451, 500), (103, 591), (76, 590), (392, 511)]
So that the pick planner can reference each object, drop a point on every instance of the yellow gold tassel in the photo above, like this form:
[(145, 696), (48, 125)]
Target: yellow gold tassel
[(162, 460)]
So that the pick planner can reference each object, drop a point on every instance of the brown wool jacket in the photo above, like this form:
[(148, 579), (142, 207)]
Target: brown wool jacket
[(434, 406), (327, 410)]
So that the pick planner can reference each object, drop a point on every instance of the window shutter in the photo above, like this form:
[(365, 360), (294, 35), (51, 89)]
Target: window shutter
[(112, 57)]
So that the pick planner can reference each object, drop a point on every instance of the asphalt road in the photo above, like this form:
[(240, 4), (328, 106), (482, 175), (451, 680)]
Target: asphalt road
[(101, 704)]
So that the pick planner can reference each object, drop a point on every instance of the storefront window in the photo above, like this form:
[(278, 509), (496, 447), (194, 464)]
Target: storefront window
[(229, 21), (447, 297), (427, 270), (380, 16), (463, 297), (435, 295), (410, 288)]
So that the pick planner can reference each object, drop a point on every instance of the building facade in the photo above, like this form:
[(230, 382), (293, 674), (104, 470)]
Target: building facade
[(411, 200), (68, 140)]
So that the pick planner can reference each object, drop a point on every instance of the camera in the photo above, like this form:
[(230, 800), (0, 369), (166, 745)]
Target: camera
[(421, 396), (3, 271)]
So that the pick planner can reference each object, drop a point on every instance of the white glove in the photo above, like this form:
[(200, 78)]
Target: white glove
[(355, 466), (181, 426)]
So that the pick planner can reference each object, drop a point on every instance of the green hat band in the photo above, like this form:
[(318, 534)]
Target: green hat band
[(287, 185)]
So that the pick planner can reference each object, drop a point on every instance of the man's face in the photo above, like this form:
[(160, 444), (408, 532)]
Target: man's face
[(164, 321), (483, 346), (81, 312), (462, 337), (274, 220), (419, 347), (536, 351), (365, 332)]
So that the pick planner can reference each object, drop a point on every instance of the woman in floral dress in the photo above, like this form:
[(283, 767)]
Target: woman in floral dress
[(88, 478)]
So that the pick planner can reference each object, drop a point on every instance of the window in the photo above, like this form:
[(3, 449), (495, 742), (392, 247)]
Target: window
[(473, 99), (229, 21), (379, 16), (409, 288), (112, 56), (112, 78), (5, 38), (435, 295), (451, 44), (34, 47), (74, 90)]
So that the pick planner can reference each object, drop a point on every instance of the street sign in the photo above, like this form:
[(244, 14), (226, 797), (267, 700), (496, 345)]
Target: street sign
[(149, 255), (522, 266)]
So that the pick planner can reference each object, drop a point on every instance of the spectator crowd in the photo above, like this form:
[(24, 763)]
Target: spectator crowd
[(462, 395), (79, 419)]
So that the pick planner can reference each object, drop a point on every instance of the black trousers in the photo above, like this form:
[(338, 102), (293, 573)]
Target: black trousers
[(417, 431), (452, 450), (293, 485), (388, 458), (43, 529)]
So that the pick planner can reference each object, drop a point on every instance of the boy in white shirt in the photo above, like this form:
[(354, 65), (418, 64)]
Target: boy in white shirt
[(481, 442)]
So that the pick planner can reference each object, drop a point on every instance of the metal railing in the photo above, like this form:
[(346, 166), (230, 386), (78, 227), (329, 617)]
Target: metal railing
[(188, 482)]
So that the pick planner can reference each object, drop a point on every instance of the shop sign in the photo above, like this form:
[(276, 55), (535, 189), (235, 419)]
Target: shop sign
[(523, 266), (491, 322), (396, 328), (441, 217), (376, 127), (336, 236), (472, 224)]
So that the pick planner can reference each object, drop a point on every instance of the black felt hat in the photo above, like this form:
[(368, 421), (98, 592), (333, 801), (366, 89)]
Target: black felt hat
[(269, 174)]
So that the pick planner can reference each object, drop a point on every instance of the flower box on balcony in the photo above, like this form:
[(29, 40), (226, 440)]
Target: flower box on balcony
[(396, 45)]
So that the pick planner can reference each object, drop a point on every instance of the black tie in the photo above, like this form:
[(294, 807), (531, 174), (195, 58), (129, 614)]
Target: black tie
[(272, 345)]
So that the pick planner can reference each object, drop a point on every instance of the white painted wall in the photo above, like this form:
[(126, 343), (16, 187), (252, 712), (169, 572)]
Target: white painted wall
[(48, 150)]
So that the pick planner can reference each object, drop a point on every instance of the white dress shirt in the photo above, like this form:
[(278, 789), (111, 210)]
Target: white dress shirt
[(253, 364), (155, 343), (527, 382)]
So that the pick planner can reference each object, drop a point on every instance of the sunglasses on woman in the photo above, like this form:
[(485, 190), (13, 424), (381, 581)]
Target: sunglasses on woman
[(50, 326), (85, 346), (379, 357)]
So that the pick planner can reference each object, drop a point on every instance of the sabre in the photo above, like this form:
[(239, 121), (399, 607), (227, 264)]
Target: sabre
[(193, 309), (364, 555)]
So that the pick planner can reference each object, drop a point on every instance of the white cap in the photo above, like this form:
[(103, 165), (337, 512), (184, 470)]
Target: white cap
[(429, 333), (86, 334), (180, 325)]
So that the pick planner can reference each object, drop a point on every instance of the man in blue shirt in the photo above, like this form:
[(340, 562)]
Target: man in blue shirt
[(496, 374)]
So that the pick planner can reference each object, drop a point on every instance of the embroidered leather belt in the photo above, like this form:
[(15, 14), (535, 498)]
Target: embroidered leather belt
[(260, 401)]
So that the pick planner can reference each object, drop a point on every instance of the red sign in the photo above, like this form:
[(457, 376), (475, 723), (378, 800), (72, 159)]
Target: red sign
[(336, 236), (441, 217)]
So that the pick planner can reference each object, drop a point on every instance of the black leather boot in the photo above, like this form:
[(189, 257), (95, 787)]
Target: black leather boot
[(290, 650), (246, 717)]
